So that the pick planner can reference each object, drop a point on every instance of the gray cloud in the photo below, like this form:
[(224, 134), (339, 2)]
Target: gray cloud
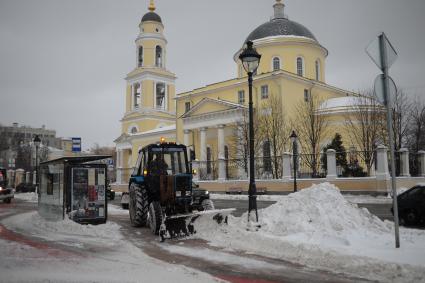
[(62, 63)]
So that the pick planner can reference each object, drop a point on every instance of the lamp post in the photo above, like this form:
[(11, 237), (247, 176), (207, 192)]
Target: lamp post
[(294, 139), (250, 60), (37, 143)]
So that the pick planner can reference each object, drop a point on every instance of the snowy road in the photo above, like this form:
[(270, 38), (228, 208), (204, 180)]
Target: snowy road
[(223, 263), (316, 228)]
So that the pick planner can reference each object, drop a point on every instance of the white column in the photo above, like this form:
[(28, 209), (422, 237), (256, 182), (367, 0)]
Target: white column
[(331, 164), (286, 166), (221, 169), (421, 157), (34, 177), (203, 145), (382, 172), (186, 141), (404, 162), (220, 135)]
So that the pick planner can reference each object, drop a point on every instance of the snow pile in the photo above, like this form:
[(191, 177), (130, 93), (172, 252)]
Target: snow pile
[(65, 231), (319, 228), (318, 211), (29, 197)]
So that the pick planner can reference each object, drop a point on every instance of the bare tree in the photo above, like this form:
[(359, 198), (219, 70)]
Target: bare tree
[(365, 125), (240, 141), (416, 130), (401, 109), (311, 127), (275, 128)]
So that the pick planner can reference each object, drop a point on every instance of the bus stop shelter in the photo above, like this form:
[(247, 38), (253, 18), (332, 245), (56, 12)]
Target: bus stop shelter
[(74, 187)]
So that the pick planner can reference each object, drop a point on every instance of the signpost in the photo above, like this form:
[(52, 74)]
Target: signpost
[(383, 54), (76, 144)]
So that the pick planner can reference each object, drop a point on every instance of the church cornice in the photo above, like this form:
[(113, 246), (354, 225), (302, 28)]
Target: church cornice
[(150, 73)]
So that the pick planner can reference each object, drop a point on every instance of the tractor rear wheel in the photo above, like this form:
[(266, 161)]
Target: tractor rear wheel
[(138, 206), (155, 217)]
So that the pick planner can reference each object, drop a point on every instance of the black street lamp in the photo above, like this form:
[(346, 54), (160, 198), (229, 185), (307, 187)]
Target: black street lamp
[(37, 142), (294, 139), (250, 61)]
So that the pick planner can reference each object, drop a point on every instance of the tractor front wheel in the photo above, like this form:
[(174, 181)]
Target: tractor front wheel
[(155, 217), (138, 206)]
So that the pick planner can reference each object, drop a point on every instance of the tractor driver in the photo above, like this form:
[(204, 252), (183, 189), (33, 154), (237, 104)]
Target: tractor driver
[(158, 166)]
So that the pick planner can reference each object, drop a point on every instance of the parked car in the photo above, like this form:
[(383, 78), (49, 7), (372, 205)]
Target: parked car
[(111, 193), (411, 206), (25, 188)]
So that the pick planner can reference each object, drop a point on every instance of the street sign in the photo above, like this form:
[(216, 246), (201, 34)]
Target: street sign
[(379, 90), (374, 52), (76, 144)]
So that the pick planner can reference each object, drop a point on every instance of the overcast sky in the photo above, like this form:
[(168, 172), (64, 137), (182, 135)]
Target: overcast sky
[(63, 63)]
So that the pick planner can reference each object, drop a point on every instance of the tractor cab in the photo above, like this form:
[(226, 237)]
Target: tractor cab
[(163, 170)]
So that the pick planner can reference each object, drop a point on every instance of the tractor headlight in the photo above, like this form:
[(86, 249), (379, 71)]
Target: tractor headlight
[(178, 193), (207, 192)]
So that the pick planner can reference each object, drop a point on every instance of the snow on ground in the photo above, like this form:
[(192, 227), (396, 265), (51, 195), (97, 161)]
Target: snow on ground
[(116, 210), (30, 197), (351, 198), (95, 254), (318, 227)]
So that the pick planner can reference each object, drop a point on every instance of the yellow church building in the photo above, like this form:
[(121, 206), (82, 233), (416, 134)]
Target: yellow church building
[(292, 68)]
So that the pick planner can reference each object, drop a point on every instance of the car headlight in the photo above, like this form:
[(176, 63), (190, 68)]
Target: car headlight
[(207, 192), (1, 188)]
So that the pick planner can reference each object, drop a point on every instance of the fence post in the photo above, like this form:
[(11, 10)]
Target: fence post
[(421, 156), (382, 172), (195, 169), (404, 162), (286, 166), (331, 164), (221, 169)]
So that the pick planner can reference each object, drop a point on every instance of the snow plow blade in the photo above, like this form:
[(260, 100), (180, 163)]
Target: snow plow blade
[(181, 225)]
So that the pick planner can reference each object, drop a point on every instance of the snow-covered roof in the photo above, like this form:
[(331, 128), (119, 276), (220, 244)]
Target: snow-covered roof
[(344, 104), (159, 130)]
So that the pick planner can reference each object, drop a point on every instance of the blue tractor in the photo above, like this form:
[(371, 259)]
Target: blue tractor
[(161, 195)]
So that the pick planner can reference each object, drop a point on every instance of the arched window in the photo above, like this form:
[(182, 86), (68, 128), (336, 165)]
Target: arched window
[(209, 164), (276, 64), (133, 130), (267, 161), (317, 70), (158, 56), (137, 93), (226, 157), (140, 56), (300, 66), (160, 96)]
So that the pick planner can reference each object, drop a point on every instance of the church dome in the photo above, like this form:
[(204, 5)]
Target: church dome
[(151, 16), (279, 27)]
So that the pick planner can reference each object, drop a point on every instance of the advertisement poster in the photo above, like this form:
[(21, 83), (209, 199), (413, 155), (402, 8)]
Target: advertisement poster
[(88, 193)]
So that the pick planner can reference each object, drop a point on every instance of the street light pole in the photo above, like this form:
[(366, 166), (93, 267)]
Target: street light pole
[(37, 143), (250, 61), (294, 138)]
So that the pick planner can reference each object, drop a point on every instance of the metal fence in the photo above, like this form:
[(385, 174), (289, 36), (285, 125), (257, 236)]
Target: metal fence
[(308, 166), (208, 170), (415, 165)]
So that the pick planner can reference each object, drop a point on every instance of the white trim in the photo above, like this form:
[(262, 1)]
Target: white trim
[(151, 77), (215, 118), (151, 36)]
